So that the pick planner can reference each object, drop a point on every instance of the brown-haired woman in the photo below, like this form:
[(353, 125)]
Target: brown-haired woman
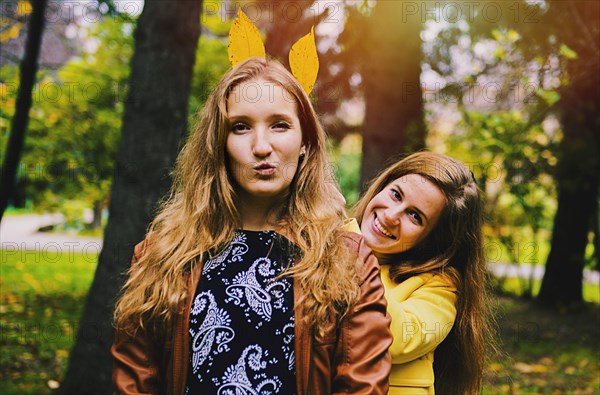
[(422, 218), (244, 284)]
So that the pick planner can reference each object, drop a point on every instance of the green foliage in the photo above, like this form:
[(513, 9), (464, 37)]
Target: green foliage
[(502, 126), (346, 157), (75, 125), (518, 287), (523, 155), (76, 120), (512, 159), (211, 64), (211, 60)]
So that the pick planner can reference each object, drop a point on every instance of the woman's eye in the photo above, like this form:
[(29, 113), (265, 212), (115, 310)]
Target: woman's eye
[(396, 195), (416, 217), (281, 125), (238, 127)]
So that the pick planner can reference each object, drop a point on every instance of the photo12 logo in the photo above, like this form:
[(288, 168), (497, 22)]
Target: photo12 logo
[(470, 11)]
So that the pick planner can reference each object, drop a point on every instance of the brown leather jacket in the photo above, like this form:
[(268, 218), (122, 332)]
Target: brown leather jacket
[(350, 359)]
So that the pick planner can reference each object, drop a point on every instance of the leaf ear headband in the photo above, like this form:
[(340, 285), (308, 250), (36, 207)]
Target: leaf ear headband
[(245, 42)]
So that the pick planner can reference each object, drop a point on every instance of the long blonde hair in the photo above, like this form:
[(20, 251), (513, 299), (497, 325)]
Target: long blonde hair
[(454, 248), (200, 217)]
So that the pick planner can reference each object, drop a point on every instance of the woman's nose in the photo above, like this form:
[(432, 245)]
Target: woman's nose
[(261, 146), (393, 214)]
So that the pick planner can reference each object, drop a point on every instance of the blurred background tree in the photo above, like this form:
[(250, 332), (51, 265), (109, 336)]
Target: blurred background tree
[(387, 46), (532, 79), (75, 126), (28, 69), (155, 119), (575, 29)]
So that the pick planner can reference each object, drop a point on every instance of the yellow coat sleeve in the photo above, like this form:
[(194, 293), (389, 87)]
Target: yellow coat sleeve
[(422, 309)]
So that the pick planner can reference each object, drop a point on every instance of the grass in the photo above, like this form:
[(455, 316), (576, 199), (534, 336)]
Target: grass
[(42, 294), (41, 299), (12, 211), (519, 286), (545, 352)]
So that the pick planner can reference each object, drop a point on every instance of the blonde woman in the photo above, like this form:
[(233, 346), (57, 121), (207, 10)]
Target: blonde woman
[(422, 219), (244, 284)]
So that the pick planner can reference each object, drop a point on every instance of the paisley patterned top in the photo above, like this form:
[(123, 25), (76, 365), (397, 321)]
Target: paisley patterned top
[(242, 320)]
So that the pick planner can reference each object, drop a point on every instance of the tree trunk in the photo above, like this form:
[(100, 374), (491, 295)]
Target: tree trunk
[(20, 119), (562, 285), (578, 169), (97, 215), (391, 72), (288, 24), (154, 122), (577, 198)]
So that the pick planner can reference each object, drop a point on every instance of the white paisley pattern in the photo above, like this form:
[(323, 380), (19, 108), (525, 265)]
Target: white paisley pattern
[(242, 320), (236, 249), (247, 291), (214, 332), (236, 380), (288, 347)]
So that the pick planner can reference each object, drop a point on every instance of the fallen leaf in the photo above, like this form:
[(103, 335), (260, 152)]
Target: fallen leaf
[(53, 384), (533, 368), (62, 353), (570, 370)]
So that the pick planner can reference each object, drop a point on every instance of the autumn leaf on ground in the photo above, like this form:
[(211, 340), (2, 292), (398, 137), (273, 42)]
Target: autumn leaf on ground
[(527, 368)]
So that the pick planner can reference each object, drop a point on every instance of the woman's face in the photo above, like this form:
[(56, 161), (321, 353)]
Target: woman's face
[(402, 214), (264, 140)]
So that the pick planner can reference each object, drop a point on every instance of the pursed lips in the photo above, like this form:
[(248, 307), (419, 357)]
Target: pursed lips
[(265, 168)]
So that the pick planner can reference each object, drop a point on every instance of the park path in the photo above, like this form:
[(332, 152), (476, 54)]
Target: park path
[(21, 233), (499, 269)]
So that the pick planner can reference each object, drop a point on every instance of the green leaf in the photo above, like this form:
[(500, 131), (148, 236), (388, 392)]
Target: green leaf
[(549, 96), (497, 34), (567, 52), (513, 36)]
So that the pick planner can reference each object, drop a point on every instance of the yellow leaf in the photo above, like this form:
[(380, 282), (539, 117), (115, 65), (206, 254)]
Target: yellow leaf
[(304, 61), (244, 40), (10, 33), (32, 281), (570, 370), (513, 36), (530, 368), (24, 8)]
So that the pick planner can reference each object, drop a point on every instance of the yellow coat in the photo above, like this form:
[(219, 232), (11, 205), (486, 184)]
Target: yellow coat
[(423, 310)]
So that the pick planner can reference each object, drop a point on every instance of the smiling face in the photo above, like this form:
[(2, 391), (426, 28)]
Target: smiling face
[(264, 140), (402, 215)]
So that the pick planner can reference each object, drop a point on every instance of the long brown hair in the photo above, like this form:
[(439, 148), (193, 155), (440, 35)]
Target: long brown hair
[(200, 216), (454, 248)]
